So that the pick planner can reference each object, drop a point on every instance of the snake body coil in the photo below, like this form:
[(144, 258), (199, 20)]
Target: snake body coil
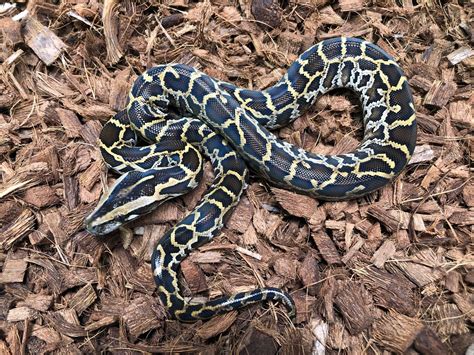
[(184, 113)]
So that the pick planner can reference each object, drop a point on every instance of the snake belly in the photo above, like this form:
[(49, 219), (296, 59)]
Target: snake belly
[(183, 113)]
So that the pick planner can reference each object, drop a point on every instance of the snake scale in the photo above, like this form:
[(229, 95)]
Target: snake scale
[(185, 115)]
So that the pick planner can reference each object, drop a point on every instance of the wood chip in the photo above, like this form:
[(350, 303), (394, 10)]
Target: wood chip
[(142, 279), (266, 223), (335, 225), (92, 113), (327, 248), (194, 276), (428, 342), (46, 45), (353, 250), (120, 87), (421, 154), (20, 313), (460, 54), (41, 196), (250, 236), (461, 114), (4, 349), (448, 320), (11, 31), (351, 5), (420, 274), (391, 291), (9, 210), (295, 204), (258, 342), (91, 175), (216, 325), (82, 299), (421, 82), (55, 222), (453, 279), (111, 30), (310, 275), (394, 220), (328, 16), (13, 271), (462, 218), (356, 307), (304, 306), (167, 212), (385, 252), (108, 320), (285, 267), (14, 231), (142, 315), (267, 13), (70, 121), (406, 330), (50, 336), (66, 322), (38, 302), (208, 257), (241, 217), (142, 248), (91, 129), (469, 278), (465, 303), (439, 94)]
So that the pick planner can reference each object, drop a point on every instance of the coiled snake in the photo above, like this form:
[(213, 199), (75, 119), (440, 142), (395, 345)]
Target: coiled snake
[(184, 113)]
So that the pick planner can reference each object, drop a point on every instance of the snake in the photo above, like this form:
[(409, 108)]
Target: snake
[(177, 117)]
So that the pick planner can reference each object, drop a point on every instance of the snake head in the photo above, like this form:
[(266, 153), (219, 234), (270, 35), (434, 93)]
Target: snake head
[(133, 194)]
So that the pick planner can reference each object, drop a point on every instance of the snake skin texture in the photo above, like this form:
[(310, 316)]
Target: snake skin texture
[(185, 115)]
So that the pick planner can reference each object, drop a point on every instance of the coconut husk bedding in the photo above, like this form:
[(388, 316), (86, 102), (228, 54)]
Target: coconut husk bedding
[(390, 272)]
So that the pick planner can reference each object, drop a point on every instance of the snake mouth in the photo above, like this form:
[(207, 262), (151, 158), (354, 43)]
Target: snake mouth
[(96, 227)]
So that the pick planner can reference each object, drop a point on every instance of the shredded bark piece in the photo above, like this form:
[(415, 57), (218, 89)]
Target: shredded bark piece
[(356, 307), (111, 31), (13, 271), (17, 229), (46, 45), (217, 325), (267, 13), (396, 331)]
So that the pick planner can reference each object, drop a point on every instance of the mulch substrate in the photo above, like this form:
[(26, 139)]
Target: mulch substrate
[(388, 273)]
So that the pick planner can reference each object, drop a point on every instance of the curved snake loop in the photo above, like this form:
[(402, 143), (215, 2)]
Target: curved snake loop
[(184, 113)]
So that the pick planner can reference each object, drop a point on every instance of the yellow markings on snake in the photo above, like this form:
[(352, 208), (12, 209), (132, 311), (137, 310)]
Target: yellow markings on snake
[(403, 123), (148, 78)]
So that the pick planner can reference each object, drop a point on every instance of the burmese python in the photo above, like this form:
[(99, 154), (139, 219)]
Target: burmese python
[(184, 113)]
